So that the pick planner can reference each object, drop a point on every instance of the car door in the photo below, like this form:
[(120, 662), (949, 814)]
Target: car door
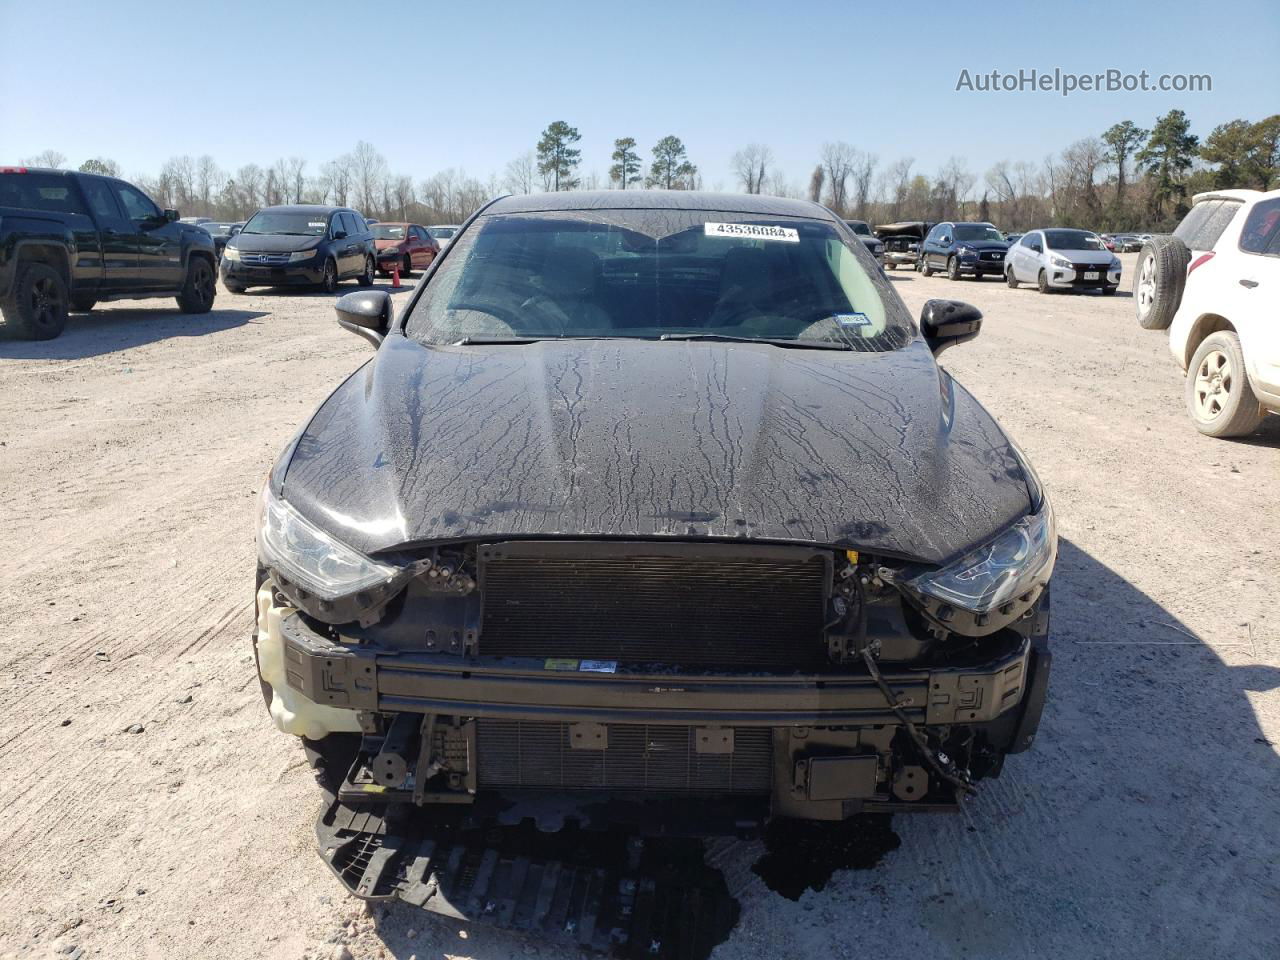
[(119, 246), (351, 253), (1027, 266), (421, 248), (1253, 290), (159, 242), (942, 248)]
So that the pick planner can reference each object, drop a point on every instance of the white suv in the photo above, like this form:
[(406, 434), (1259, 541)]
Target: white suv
[(1225, 332)]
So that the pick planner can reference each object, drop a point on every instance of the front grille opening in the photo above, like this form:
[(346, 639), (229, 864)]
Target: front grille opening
[(701, 610), (639, 757)]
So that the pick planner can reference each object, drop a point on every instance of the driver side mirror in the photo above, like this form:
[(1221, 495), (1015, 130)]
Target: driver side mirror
[(367, 314), (944, 323), (171, 216), (339, 234), (1037, 248)]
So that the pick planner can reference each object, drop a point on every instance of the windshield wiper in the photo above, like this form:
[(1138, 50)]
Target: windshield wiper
[(772, 341)]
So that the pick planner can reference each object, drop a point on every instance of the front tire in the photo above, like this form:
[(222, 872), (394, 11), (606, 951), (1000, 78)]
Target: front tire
[(1042, 283), (1010, 279), (925, 268), (37, 307), (199, 290), (953, 268), (366, 279), (1219, 398), (329, 277)]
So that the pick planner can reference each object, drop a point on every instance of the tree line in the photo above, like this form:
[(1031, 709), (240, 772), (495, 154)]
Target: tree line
[(1125, 178)]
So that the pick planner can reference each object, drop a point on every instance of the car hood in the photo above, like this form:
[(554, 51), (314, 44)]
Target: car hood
[(1084, 256), (632, 438), (983, 244), (274, 242)]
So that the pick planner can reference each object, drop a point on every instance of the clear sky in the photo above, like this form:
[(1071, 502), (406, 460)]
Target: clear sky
[(471, 83)]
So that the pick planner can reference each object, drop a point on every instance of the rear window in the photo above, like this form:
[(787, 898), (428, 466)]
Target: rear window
[(1261, 233), (651, 274), (1203, 225), (40, 191)]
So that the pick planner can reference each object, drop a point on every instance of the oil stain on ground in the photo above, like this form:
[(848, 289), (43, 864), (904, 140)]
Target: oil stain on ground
[(802, 855)]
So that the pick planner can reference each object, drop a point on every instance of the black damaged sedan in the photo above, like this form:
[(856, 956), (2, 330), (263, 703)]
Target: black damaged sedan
[(651, 509)]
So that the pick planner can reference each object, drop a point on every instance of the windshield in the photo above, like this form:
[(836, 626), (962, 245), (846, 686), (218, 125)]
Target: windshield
[(217, 229), (858, 227), (658, 274), (442, 233), (1072, 240), (977, 231), (388, 231), (291, 224)]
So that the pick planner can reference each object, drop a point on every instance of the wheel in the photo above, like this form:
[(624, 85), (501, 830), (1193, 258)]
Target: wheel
[(1219, 398), (199, 290), (925, 268), (366, 279), (234, 287), (891, 266), (406, 268), (329, 278), (1157, 289), (1010, 279), (1042, 283), (83, 304), (953, 268), (37, 307)]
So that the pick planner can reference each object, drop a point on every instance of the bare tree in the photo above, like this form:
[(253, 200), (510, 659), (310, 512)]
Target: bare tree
[(521, 173), (337, 176), (250, 179), (751, 166), (209, 181), (837, 163), (1080, 163), (864, 167), (369, 173), (45, 158), (296, 178), (898, 177)]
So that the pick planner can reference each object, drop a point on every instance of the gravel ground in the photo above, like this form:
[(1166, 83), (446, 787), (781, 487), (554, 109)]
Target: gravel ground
[(1142, 824)]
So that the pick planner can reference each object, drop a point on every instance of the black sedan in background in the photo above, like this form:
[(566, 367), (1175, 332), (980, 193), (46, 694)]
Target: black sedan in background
[(300, 245), (653, 510)]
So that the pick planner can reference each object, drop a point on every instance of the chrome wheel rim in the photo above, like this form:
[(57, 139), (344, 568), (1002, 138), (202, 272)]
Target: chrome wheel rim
[(1213, 385), (1146, 285)]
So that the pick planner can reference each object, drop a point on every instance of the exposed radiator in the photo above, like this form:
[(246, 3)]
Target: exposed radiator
[(704, 610)]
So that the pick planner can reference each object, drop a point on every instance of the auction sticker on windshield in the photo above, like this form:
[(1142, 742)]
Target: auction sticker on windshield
[(754, 231)]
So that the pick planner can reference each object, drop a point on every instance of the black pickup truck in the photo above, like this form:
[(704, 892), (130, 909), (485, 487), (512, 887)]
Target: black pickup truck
[(69, 240)]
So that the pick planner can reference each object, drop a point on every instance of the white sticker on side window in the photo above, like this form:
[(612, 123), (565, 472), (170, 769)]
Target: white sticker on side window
[(752, 231)]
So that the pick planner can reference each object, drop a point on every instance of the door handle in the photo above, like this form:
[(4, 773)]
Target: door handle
[(1248, 284)]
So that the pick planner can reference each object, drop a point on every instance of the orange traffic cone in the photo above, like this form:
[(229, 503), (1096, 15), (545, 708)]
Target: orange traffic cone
[(395, 275)]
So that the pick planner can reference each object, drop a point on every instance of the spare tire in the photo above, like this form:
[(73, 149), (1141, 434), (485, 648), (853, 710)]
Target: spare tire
[(1158, 281)]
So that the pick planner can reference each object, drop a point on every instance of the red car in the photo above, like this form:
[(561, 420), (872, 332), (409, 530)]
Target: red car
[(411, 241)]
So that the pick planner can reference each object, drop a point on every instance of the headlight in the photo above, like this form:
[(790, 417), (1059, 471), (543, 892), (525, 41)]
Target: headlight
[(1059, 262), (231, 253), (302, 553), (964, 251), (989, 582), (302, 255)]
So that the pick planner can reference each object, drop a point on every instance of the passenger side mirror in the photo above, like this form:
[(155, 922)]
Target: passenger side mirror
[(367, 314), (339, 234), (944, 323), (944, 240), (171, 216), (1037, 248)]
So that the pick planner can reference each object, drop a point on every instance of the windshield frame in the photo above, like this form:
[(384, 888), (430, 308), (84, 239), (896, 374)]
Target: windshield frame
[(895, 312), (1087, 234)]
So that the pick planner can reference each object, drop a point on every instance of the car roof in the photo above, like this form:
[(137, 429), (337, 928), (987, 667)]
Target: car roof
[(307, 208), (659, 200), (1241, 195)]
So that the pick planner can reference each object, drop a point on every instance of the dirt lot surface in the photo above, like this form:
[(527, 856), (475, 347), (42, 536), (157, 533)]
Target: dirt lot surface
[(1142, 824)]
